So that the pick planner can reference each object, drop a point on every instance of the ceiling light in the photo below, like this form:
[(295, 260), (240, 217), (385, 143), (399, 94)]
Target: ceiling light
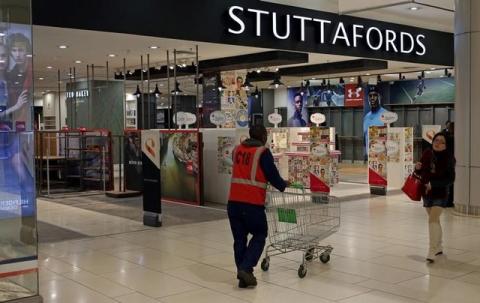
[(172, 67), (368, 74), (2, 34), (41, 78), (379, 79), (341, 81), (276, 82), (258, 71), (256, 93), (78, 61), (49, 67), (428, 72), (137, 93), (277, 69), (29, 55), (247, 85), (112, 55), (432, 68), (414, 8), (63, 46), (157, 91), (153, 47), (177, 89)]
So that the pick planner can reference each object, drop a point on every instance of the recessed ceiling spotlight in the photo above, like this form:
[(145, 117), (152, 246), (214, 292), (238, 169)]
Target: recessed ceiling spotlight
[(29, 56), (112, 55), (314, 78), (429, 72), (78, 61), (2, 34), (414, 8), (368, 74), (432, 68), (63, 46), (153, 47), (41, 78), (49, 67)]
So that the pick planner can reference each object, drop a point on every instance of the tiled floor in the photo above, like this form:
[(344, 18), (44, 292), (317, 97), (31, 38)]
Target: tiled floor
[(378, 257)]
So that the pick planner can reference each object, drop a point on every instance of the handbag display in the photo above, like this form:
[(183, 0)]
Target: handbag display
[(413, 187)]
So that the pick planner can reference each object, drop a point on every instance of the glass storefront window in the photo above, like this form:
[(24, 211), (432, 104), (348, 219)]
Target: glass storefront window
[(18, 229)]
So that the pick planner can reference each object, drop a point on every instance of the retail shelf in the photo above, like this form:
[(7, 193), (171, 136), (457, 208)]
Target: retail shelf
[(302, 154)]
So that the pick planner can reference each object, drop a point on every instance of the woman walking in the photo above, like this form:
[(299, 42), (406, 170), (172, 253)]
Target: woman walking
[(437, 171)]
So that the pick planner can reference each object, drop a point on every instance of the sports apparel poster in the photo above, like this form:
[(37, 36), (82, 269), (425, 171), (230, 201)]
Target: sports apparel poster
[(234, 99), (377, 156), (224, 154), (419, 91), (180, 159), (354, 95), (297, 115), (325, 96), (320, 159)]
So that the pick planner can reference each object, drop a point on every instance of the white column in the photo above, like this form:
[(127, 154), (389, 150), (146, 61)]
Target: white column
[(467, 106)]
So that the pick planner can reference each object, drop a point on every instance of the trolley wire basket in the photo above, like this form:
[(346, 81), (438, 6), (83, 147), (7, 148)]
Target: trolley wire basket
[(298, 221)]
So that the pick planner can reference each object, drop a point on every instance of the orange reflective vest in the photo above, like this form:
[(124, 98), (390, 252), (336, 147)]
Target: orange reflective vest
[(249, 184)]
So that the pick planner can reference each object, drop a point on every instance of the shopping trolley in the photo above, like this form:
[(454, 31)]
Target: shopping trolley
[(298, 221)]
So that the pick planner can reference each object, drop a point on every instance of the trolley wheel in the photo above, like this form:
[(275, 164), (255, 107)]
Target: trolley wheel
[(265, 264), (302, 271), (325, 257), (310, 254)]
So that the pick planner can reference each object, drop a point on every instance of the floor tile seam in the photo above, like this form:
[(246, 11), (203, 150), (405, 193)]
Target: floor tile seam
[(96, 291), (353, 296), (462, 276), (397, 284), (357, 274), (308, 293)]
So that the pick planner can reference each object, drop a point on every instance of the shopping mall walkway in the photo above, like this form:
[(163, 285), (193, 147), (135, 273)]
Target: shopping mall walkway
[(378, 257)]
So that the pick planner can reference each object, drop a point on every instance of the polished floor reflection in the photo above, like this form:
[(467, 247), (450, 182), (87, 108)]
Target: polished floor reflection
[(378, 256)]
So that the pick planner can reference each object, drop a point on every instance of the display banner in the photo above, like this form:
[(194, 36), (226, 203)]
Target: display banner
[(320, 159), (399, 155), (133, 160), (325, 96), (297, 114), (354, 95), (419, 91), (377, 156), (180, 160), (211, 99), (152, 201)]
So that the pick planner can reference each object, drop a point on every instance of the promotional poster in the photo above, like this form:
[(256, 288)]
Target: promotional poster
[(180, 164), (234, 100), (297, 115), (278, 138), (325, 96), (298, 167), (224, 154), (211, 99), (320, 160), (133, 161), (17, 188), (354, 95), (152, 195), (377, 156), (419, 91)]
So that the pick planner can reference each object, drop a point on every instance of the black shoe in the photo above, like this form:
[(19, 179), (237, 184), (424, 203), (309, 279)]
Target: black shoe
[(430, 261), (439, 253), (247, 277), (242, 284)]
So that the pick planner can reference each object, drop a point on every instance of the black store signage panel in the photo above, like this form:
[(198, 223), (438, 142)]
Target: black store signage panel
[(252, 23)]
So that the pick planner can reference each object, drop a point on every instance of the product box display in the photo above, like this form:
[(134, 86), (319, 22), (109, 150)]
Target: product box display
[(320, 160), (377, 156), (399, 155)]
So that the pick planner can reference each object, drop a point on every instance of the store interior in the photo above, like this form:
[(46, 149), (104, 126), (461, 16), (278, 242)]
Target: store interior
[(92, 80)]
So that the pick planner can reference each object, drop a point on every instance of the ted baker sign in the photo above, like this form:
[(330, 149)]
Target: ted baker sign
[(330, 32)]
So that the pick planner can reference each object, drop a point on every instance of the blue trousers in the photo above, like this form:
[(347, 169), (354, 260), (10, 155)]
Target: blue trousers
[(247, 219)]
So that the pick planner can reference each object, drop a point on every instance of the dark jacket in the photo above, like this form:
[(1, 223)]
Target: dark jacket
[(438, 169)]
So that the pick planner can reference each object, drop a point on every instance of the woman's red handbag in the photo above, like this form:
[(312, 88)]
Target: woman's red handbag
[(413, 187)]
